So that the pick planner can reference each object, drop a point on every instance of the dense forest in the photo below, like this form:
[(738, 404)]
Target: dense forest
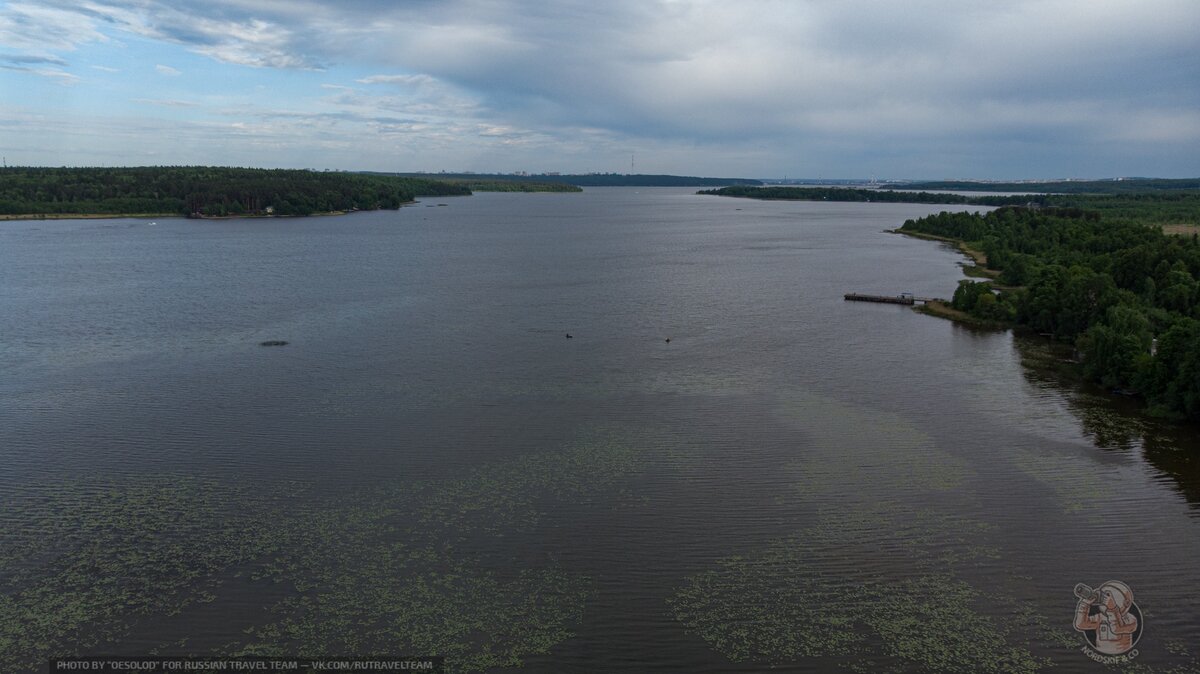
[(853, 194), (1122, 291), (596, 179), (205, 191), (478, 184), (1162, 207), (1121, 186)]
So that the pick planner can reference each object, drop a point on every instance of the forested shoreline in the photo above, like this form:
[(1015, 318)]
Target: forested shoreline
[(201, 191), (777, 193), (1112, 186), (1091, 268), (592, 179), (1118, 288), (1163, 206)]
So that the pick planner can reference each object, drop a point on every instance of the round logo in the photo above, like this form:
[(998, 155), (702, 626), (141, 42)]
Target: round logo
[(1108, 617)]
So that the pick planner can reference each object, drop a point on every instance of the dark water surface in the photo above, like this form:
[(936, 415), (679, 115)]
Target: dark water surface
[(430, 466)]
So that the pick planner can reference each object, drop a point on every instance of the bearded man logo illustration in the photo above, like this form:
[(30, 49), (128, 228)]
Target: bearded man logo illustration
[(1109, 619)]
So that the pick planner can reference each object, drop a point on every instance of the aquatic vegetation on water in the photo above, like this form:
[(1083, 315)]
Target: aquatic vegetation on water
[(366, 573), (427, 600), (902, 608), (508, 495), (91, 559), (774, 608), (874, 584)]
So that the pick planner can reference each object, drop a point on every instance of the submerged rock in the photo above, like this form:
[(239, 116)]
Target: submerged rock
[(273, 342)]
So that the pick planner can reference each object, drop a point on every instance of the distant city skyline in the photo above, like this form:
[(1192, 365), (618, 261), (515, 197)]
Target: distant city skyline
[(1054, 89)]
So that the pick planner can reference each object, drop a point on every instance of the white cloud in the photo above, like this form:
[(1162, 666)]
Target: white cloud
[(166, 103), (167, 71), (42, 29), (782, 82), (396, 79), (60, 76), (251, 42)]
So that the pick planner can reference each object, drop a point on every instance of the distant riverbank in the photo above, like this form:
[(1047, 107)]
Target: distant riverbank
[(861, 195), (147, 216), (204, 191), (82, 216)]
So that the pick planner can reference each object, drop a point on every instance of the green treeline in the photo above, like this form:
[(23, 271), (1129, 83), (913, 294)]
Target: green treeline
[(1163, 207), (1173, 207), (205, 191), (852, 194), (645, 180), (1126, 294), (1123, 186), (495, 185), (595, 179)]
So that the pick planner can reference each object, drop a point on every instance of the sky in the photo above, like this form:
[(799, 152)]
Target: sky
[(755, 88)]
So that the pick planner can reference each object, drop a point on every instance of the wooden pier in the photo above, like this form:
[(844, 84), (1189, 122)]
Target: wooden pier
[(902, 298)]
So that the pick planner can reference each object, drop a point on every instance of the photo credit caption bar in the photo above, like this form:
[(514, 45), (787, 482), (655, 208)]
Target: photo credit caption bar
[(161, 665)]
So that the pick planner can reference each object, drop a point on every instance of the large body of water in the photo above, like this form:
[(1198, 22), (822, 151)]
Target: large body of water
[(431, 467)]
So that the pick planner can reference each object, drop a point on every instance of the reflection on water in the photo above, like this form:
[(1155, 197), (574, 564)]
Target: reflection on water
[(1117, 423)]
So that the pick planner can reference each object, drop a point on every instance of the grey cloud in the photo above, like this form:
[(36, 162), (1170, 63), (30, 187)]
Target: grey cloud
[(757, 70), (27, 59), (396, 79), (800, 79), (240, 33), (41, 29)]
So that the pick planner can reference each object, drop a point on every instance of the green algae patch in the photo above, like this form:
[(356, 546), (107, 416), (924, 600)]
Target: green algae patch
[(429, 600), (386, 569), (775, 609), (933, 621), (902, 607), (744, 610), (94, 558)]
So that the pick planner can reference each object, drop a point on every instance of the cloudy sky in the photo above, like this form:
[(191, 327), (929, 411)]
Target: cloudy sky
[(763, 88)]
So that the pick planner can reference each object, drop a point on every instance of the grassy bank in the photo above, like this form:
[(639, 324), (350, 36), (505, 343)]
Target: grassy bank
[(979, 269), (941, 309)]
